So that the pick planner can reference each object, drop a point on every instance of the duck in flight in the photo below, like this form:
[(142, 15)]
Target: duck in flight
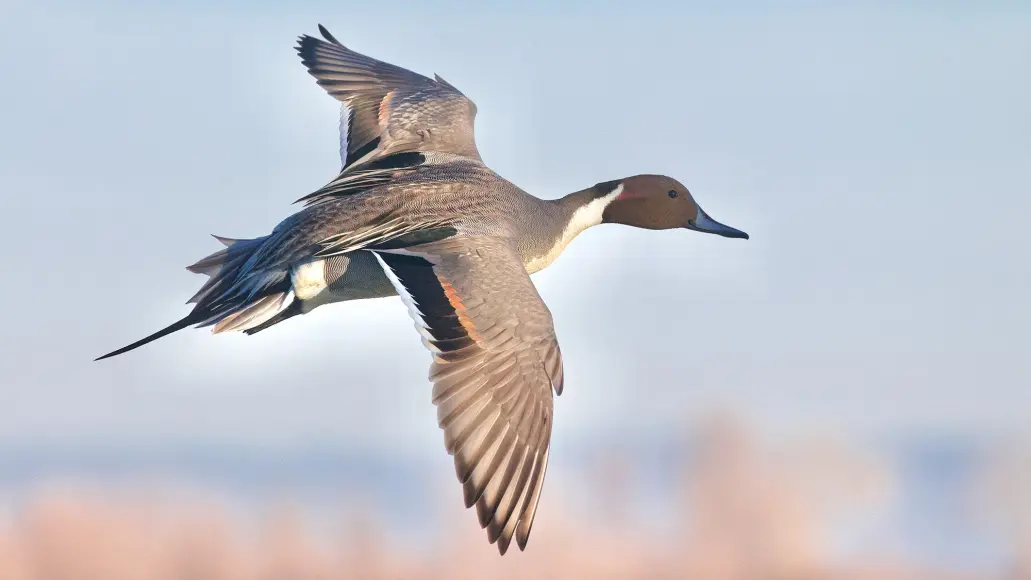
[(416, 213)]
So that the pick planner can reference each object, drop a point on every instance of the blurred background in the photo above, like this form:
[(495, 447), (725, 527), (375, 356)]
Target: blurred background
[(843, 396)]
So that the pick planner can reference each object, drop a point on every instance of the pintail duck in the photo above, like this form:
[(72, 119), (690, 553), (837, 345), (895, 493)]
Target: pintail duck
[(416, 213)]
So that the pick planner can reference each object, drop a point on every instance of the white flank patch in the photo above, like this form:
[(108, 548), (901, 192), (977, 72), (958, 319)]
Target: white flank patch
[(308, 279), (584, 217)]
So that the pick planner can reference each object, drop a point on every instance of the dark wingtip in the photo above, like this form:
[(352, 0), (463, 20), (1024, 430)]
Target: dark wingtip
[(306, 47), (177, 325), (521, 540), (503, 543), (328, 36)]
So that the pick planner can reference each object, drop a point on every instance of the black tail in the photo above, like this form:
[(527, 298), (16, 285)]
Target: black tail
[(229, 291), (289, 312), (188, 320)]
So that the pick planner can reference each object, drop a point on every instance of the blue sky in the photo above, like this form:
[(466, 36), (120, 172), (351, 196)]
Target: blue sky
[(879, 155)]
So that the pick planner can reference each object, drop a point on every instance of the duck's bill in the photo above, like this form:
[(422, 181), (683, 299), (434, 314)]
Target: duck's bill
[(704, 223)]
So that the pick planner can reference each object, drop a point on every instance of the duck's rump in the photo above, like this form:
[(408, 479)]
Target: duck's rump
[(353, 276), (230, 301)]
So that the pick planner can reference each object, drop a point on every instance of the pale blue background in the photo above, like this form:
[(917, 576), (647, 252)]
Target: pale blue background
[(879, 155)]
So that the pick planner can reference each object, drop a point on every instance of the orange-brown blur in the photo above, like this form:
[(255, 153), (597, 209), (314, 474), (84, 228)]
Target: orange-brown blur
[(738, 510)]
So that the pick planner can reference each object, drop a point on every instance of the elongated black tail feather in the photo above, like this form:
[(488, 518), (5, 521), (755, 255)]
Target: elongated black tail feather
[(188, 320), (289, 312)]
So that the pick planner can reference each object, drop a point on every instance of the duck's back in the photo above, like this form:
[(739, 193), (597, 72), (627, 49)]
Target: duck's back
[(447, 190)]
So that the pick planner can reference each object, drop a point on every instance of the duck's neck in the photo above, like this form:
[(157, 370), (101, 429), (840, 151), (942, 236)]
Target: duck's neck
[(568, 217)]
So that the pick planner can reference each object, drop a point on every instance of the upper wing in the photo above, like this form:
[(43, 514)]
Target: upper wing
[(495, 363), (391, 109)]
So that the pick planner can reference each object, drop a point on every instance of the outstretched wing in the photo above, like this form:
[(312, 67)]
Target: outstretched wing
[(390, 109), (495, 363)]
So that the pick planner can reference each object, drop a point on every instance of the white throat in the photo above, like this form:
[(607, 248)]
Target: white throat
[(585, 216)]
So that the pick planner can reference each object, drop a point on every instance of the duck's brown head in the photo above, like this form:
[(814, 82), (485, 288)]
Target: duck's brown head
[(657, 202)]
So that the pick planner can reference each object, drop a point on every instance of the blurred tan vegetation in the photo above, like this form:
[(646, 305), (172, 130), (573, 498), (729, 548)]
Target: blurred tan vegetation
[(744, 513)]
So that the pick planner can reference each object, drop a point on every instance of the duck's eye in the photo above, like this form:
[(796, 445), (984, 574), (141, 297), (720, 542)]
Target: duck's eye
[(672, 193)]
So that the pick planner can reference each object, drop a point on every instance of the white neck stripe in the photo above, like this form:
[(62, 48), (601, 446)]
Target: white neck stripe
[(588, 215)]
